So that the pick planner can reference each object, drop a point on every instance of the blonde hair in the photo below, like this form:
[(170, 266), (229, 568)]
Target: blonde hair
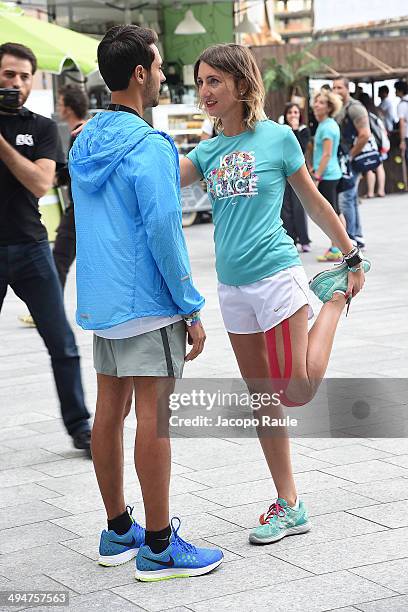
[(238, 62), (334, 102)]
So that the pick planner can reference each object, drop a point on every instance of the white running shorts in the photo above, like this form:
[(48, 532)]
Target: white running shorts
[(254, 308)]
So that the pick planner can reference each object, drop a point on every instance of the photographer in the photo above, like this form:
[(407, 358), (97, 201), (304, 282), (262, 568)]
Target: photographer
[(28, 156)]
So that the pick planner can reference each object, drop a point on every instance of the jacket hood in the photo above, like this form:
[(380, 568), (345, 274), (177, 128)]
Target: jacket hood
[(103, 143)]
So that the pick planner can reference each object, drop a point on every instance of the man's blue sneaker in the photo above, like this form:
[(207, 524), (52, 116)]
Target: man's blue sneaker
[(179, 560), (116, 549), (326, 283)]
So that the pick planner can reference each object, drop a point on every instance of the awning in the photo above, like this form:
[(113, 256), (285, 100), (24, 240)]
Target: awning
[(56, 48)]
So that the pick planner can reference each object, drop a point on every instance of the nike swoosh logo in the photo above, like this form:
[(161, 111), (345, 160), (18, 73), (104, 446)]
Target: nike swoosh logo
[(169, 563), (131, 544), (276, 309)]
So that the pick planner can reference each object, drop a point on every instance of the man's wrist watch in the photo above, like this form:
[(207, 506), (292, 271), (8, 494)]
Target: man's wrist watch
[(192, 319)]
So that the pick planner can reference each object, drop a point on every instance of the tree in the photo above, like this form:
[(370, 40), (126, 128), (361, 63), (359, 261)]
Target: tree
[(292, 76)]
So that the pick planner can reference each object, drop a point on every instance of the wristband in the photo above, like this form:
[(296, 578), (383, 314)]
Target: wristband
[(354, 259), (318, 178)]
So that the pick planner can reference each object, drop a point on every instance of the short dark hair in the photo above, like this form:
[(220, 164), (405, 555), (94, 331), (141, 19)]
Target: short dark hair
[(75, 98), (122, 49), (346, 81), (383, 89), (20, 51), (401, 86)]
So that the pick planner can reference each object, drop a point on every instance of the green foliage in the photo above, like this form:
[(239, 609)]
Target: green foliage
[(293, 74)]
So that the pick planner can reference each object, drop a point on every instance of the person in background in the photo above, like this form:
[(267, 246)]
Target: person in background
[(401, 90), (326, 169), (379, 173), (352, 112), (386, 108), (293, 214), (28, 155), (73, 109)]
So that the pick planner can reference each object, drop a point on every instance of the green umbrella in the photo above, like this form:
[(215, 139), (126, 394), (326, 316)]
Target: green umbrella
[(56, 48)]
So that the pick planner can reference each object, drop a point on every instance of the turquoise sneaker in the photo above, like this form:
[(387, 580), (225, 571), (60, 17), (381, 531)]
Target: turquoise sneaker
[(326, 283), (279, 521), (180, 559), (116, 549)]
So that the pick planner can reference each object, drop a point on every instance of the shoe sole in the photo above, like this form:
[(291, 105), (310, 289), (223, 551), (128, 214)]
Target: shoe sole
[(120, 559), (182, 572), (332, 274), (286, 532)]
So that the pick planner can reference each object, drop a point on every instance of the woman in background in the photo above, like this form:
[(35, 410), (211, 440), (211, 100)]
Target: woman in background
[(326, 169), (293, 214)]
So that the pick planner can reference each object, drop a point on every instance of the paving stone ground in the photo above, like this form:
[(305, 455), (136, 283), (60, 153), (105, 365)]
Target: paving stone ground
[(356, 488)]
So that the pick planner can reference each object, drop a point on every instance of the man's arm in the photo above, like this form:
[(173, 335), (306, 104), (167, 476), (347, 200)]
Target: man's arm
[(36, 176), (160, 208), (362, 126)]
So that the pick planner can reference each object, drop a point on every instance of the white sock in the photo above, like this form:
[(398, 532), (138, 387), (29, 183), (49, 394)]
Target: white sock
[(296, 506)]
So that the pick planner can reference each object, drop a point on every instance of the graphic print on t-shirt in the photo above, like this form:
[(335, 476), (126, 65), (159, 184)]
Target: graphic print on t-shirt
[(234, 177)]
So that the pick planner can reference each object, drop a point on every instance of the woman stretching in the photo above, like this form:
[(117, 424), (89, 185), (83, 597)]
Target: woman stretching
[(263, 289)]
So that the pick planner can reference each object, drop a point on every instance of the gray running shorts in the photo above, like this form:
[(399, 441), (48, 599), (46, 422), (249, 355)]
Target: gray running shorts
[(159, 352)]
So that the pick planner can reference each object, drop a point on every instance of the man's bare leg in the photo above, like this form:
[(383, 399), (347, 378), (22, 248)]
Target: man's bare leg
[(112, 407), (152, 453)]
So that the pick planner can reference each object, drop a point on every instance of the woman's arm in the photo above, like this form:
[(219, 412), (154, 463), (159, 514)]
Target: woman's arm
[(326, 156), (322, 213), (319, 209), (188, 172)]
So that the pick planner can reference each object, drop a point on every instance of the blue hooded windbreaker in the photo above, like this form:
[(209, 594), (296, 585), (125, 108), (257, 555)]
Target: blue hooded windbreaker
[(132, 258)]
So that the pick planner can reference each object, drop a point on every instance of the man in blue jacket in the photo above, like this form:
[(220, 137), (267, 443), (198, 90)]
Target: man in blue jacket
[(136, 293)]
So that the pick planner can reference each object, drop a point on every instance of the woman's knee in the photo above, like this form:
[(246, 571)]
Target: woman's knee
[(298, 392)]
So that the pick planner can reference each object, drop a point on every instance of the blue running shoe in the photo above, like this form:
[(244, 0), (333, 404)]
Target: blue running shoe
[(116, 549), (179, 560)]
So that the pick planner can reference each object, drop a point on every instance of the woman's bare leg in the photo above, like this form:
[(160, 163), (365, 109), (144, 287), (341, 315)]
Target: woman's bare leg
[(380, 172), (310, 352), (370, 183), (250, 351)]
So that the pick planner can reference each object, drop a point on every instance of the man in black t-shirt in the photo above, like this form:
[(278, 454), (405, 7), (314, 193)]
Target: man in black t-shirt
[(28, 156)]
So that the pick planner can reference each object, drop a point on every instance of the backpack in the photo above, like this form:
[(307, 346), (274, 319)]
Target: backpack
[(369, 158), (379, 132)]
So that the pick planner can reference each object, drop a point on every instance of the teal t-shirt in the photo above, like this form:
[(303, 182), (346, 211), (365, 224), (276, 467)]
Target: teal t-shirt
[(246, 179), (327, 130)]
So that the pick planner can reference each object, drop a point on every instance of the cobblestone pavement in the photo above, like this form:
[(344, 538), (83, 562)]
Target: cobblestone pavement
[(356, 489)]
